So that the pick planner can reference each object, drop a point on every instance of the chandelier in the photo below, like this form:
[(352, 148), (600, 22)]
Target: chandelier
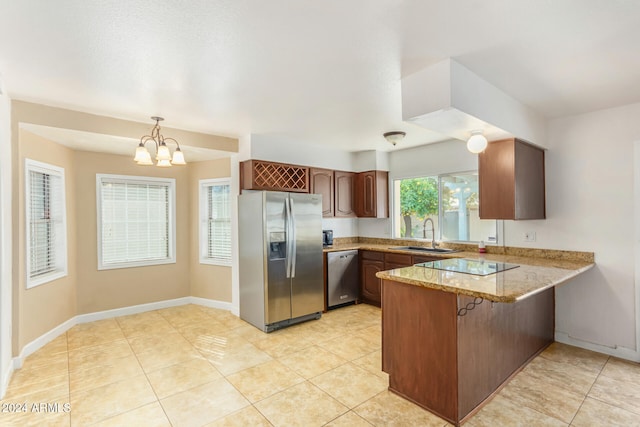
[(163, 155)]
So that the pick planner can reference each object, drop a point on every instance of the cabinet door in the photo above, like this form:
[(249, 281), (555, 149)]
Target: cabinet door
[(372, 194), (511, 181), (344, 186), (321, 182), (370, 285)]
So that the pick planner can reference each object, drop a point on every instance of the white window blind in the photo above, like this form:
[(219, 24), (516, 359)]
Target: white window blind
[(46, 223), (215, 224), (135, 217)]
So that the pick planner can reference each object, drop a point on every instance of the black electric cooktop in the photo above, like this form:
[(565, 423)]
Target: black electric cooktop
[(469, 266)]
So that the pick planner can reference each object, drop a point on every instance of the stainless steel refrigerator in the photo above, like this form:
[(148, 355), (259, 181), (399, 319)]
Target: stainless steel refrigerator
[(280, 246)]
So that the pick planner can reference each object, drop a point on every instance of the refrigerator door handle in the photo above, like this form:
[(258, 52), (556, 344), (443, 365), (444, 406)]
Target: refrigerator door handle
[(287, 228), (293, 238)]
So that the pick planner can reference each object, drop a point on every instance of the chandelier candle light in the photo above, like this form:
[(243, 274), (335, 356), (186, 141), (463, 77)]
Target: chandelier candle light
[(163, 155)]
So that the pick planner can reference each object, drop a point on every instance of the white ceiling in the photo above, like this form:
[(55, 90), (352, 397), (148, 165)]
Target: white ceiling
[(323, 72)]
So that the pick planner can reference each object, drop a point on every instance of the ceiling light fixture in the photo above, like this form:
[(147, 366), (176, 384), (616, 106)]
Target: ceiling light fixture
[(394, 137), (477, 142), (163, 155)]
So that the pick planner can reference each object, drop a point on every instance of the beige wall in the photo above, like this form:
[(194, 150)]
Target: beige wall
[(207, 281), (109, 289), (46, 306), (85, 289)]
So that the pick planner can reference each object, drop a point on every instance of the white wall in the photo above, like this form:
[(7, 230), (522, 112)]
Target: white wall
[(589, 180), (5, 240), (277, 149)]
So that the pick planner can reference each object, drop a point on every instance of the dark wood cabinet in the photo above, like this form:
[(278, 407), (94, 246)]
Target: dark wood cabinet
[(372, 194), (321, 182), (511, 181), (371, 262), (449, 361), (271, 176), (344, 194)]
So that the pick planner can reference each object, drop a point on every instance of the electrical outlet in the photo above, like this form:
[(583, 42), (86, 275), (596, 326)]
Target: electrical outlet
[(529, 236)]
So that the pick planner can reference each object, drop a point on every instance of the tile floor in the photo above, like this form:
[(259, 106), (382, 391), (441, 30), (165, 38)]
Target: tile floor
[(196, 366)]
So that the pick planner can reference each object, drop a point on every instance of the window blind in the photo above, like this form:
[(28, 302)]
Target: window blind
[(218, 223), (135, 221), (46, 225), (45, 216)]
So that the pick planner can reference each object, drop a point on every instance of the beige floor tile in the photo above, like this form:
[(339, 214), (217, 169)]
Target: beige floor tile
[(501, 411), (349, 347), (622, 370), (249, 333), (91, 337), (54, 350), (262, 381), (202, 331), (237, 358), (151, 415), (104, 402), (373, 334), (542, 396), (388, 409), (623, 394), (350, 419), (51, 388), (566, 375), (56, 418), (594, 413), (301, 405), (229, 320), (350, 385), (184, 315), (321, 332), (97, 355), (372, 362), (154, 341), (574, 355), (203, 404), (220, 342), (143, 323), (182, 376), (166, 356), (281, 345), (248, 416), (26, 376), (312, 361), (110, 371)]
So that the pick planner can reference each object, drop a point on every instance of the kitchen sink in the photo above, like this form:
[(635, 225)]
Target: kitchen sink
[(425, 249)]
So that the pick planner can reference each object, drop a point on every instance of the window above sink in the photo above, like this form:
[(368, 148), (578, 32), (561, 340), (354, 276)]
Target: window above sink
[(451, 201)]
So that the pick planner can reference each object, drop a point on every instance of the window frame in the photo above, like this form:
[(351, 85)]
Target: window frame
[(61, 243), (438, 176), (170, 183), (203, 232)]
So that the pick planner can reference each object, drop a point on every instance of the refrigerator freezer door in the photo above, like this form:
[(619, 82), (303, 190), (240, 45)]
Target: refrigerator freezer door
[(307, 293), (278, 286)]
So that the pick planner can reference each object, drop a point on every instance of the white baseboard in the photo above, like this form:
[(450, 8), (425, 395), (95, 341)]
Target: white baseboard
[(44, 339), (134, 309), (621, 352), (212, 303)]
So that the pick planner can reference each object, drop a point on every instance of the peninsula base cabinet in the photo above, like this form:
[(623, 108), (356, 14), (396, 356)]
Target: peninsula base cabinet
[(448, 353)]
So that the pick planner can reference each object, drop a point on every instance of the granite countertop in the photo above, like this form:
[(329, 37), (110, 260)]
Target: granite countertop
[(538, 270)]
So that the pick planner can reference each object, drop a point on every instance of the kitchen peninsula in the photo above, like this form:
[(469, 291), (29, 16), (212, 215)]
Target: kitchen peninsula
[(451, 339)]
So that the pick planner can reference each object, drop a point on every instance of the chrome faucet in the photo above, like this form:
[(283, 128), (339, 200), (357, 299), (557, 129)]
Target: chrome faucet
[(433, 232)]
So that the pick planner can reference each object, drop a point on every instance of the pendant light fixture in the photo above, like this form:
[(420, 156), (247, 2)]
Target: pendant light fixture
[(163, 155), (477, 142), (394, 137)]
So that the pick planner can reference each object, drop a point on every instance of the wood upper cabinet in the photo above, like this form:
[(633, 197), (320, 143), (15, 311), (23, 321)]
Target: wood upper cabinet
[(344, 194), (271, 176), (511, 181), (321, 182), (372, 194)]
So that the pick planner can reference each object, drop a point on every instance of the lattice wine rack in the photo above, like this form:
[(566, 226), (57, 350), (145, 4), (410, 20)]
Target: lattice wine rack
[(260, 175)]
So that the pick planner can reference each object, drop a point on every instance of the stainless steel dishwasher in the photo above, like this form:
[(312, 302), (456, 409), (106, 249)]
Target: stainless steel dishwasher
[(342, 277)]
